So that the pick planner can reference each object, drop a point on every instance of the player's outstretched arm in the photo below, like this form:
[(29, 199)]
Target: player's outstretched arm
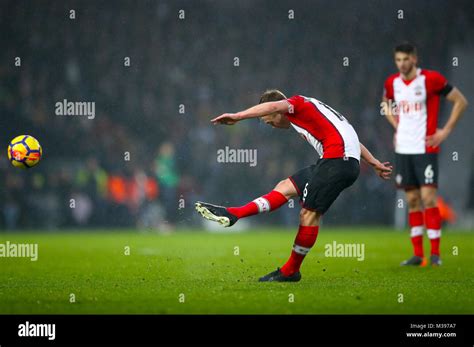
[(253, 112), (459, 105), (384, 170)]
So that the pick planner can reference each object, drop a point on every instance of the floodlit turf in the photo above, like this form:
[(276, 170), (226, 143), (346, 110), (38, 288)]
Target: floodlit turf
[(203, 267)]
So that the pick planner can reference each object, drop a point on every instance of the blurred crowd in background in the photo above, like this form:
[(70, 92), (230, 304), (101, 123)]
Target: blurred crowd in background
[(150, 151)]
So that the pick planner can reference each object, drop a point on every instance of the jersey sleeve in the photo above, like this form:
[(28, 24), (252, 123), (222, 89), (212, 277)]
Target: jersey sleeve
[(388, 88), (295, 104), (435, 82)]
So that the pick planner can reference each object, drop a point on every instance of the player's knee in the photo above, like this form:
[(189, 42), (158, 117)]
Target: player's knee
[(429, 200), (429, 196), (286, 188), (281, 184), (309, 218), (413, 201)]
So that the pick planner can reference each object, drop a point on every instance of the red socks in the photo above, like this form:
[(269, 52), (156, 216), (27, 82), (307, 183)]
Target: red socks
[(415, 220), (433, 228), (304, 240), (432, 221), (265, 203)]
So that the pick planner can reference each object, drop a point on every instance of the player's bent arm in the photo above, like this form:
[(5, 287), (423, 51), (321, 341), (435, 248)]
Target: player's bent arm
[(367, 156), (387, 111), (459, 105), (384, 170)]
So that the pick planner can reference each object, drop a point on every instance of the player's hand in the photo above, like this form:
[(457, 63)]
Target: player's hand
[(383, 170), (226, 118), (435, 140)]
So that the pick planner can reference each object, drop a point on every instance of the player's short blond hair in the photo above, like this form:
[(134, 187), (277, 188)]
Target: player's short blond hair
[(272, 95)]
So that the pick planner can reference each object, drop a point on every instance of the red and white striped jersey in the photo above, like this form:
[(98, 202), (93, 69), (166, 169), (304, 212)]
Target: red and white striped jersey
[(325, 129), (417, 107)]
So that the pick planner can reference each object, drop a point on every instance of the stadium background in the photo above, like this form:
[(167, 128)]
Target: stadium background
[(190, 62)]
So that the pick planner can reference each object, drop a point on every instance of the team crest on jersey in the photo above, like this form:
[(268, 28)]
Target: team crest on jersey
[(418, 90)]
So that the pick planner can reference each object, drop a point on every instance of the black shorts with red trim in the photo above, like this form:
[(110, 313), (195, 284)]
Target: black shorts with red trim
[(320, 184), (416, 170)]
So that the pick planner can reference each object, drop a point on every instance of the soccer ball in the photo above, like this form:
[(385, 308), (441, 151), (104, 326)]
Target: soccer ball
[(24, 151)]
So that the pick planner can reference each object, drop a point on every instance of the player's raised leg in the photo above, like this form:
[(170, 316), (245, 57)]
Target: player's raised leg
[(228, 216), (283, 191), (415, 221), (432, 222)]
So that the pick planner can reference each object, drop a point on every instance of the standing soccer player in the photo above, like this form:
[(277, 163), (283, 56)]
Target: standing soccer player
[(317, 185), (411, 105)]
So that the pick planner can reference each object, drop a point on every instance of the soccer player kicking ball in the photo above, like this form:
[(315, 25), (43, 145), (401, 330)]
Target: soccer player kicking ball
[(317, 185), (414, 116)]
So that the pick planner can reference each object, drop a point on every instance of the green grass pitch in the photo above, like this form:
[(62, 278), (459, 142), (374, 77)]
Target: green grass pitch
[(203, 266)]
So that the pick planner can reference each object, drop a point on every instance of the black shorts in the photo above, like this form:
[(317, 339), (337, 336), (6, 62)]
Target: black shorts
[(416, 170), (319, 185)]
